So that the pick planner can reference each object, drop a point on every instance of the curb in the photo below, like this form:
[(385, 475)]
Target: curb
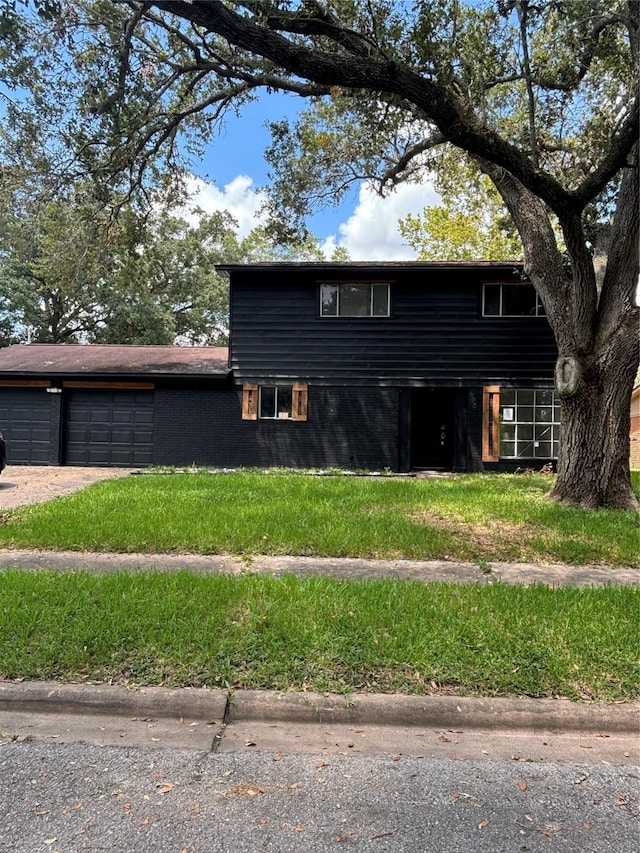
[(48, 697), (549, 715), (399, 710)]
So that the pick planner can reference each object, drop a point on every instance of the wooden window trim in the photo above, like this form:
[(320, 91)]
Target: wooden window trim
[(249, 402), (25, 383), (118, 385), (300, 398), (491, 423)]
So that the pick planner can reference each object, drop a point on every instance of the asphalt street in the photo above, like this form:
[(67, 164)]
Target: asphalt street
[(65, 798)]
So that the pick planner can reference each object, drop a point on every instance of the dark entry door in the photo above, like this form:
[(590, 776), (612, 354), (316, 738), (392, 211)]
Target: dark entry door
[(432, 423)]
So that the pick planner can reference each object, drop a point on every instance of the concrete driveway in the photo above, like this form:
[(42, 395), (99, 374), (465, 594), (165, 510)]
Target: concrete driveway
[(30, 484)]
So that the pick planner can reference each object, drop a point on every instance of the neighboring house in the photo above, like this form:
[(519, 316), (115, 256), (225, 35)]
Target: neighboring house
[(361, 366), (634, 454)]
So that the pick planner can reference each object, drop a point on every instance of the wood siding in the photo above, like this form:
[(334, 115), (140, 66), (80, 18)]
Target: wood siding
[(435, 335)]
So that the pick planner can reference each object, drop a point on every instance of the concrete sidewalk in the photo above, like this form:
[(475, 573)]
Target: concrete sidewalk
[(233, 721), (348, 568)]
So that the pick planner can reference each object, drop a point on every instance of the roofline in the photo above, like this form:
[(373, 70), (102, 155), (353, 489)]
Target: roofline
[(371, 267), (122, 376)]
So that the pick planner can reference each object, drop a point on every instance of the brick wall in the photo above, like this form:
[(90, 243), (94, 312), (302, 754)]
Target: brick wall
[(346, 428)]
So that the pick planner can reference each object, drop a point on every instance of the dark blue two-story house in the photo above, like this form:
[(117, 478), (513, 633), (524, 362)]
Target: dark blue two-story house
[(362, 366)]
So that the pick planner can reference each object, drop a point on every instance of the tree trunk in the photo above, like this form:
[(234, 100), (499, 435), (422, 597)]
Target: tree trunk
[(597, 338), (593, 464)]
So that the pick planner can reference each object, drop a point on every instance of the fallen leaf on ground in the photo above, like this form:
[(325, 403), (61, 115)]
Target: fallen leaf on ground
[(164, 789), (522, 786), (483, 823)]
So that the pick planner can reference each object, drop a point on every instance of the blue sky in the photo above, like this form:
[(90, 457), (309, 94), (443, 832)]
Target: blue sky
[(234, 169)]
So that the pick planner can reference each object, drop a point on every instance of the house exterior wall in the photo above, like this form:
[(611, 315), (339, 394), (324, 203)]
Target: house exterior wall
[(436, 334), (346, 427)]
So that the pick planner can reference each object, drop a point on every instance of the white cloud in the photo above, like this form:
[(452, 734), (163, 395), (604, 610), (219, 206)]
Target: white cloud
[(238, 197), (371, 232)]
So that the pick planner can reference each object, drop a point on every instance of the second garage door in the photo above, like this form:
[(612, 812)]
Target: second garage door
[(109, 427)]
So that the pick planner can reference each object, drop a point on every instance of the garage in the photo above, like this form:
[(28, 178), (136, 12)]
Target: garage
[(112, 406), (108, 427), (26, 416)]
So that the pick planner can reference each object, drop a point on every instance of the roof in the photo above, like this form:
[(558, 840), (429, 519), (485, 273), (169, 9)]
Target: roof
[(113, 360), (373, 267)]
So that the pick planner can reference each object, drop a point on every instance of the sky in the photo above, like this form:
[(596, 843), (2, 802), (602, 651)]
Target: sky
[(234, 169)]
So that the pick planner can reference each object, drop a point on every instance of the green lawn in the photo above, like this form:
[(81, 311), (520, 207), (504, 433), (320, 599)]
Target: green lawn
[(471, 517), (321, 634)]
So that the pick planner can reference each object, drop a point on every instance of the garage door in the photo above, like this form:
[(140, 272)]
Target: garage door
[(25, 422), (109, 427)]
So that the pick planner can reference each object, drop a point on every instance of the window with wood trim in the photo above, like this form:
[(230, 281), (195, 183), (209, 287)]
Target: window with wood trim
[(275, 402), (520, 423)]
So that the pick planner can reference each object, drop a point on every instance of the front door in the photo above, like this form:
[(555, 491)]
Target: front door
[(432, 422)]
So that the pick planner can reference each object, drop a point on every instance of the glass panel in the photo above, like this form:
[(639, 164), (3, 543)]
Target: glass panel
[(525, 397), (544, 414), (508, 432), (525, 414), (284, 401), (355, 300), (508, 397), (491, 306), (556, 433), (543, 450), (380, 300), (329, 300), (544, 398), (267, 401), (518, 300), (543, 431), (507, 448), (525, 432), (525, 449)]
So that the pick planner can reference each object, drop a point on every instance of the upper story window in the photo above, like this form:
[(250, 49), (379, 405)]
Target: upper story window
[(348, 299), (511, 300)]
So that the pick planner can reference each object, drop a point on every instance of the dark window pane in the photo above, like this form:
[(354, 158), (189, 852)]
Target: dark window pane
[(518, 300), (380, 300), (355, 300), (508, 432), (508, 396), (525, 397), (525, 449), (329, 300), (491, 300), (525, 414), (267, 401), (544, 398), (544, 414), (507, 448), (543, 450), (525, 432), (543, 431), (284, 401)]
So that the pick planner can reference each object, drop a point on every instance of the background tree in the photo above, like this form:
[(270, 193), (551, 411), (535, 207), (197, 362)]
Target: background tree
[(542, 98)]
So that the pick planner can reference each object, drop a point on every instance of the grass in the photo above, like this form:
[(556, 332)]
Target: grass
[(321, 634), (472, 517)]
